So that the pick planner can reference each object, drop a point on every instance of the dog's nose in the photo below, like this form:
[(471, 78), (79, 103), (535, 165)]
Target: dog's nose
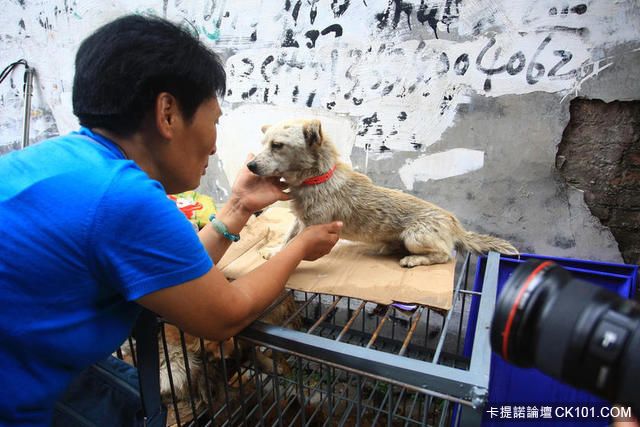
[(253, 166)]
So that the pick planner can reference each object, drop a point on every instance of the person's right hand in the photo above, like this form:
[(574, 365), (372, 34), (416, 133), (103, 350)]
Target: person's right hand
[(253, 192), (318, 240)]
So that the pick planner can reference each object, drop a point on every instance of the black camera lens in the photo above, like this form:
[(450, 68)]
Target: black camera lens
[(572, 330)]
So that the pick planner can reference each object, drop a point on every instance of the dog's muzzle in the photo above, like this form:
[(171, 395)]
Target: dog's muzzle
[(253, 166)]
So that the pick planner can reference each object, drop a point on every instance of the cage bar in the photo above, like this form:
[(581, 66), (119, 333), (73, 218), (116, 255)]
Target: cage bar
[(350, 363)]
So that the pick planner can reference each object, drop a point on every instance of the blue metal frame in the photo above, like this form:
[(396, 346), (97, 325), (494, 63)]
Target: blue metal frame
[(469, 388)]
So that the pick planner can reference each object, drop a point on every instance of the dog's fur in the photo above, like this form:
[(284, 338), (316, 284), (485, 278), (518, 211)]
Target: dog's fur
[(397, 222), (208, 359)]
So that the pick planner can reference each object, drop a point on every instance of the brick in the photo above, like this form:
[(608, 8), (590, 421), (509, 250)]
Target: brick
[(600, 154)]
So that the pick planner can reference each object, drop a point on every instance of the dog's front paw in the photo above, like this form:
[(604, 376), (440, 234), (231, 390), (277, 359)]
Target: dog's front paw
[(407, 262), (414, 261), (433, 258)]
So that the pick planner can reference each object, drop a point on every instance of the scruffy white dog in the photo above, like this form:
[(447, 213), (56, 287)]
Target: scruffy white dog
[(324, 189)]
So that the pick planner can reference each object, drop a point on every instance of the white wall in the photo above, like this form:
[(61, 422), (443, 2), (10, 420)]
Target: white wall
[(390, 78), (378, 63)]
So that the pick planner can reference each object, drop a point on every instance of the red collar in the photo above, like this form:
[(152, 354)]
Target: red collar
[(320, 178)]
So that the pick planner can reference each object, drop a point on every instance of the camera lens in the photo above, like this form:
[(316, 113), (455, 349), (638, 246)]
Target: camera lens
[(577, 332)]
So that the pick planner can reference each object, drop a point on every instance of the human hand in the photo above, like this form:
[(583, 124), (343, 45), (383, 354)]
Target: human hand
[(625, 422), (255, 192), (318, 240)]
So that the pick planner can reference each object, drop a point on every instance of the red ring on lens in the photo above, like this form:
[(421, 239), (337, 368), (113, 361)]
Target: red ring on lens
[(514, 307)]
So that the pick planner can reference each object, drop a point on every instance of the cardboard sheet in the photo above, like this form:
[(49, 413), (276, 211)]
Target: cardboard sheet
[(351, 269)]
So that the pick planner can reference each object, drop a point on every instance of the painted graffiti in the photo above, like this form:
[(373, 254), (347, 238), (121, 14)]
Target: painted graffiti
[(390, 63), (363, 79), (446, 12), (337, 8), (435, 77), (319, 62), (305, 31), (517, 62)]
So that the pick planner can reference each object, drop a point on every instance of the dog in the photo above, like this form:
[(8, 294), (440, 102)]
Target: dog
[(324, 189), (206, 376)]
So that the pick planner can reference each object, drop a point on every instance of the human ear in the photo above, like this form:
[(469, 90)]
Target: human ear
[(167, 114)]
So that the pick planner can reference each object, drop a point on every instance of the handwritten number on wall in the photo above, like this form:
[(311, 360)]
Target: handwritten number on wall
[(538, 67), (515, 69), (462, 64), (565, 57)]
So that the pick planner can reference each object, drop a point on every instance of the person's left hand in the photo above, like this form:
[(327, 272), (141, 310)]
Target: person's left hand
[(255, 192)]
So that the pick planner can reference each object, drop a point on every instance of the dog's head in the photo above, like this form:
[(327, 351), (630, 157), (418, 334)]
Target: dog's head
[(289, 148)]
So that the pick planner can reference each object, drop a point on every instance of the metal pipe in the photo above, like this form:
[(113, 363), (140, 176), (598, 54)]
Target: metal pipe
[(276, 389), (226, 383), (350, 322), (301, 389), (187, 368), (324, 315), (236, 351), (413, 406), (258, 382), (277, 302), (167, 361), (467, 292), (299, 310), (374, 337), (443, 414), (411, 331), (28, 91), (204, 358), (436, 355), (425, 377), (132, 351)]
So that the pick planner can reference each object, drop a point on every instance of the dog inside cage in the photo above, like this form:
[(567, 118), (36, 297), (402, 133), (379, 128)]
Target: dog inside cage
[(249, 381)]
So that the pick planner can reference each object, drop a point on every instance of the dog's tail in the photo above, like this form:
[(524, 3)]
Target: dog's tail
[(483, 243)]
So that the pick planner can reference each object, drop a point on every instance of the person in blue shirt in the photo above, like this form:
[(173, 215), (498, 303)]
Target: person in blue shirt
[(88, 235)]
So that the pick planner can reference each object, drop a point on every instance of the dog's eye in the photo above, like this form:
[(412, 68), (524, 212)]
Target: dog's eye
[(277, 145)]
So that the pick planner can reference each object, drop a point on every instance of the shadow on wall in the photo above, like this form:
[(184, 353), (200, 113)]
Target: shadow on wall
[(600, 155)]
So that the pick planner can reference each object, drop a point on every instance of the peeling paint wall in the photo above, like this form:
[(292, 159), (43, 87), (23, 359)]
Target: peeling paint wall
[(600, 154), (460, 102)]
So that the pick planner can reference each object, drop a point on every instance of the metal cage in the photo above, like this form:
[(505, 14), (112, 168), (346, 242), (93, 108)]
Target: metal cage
[(329, 360)]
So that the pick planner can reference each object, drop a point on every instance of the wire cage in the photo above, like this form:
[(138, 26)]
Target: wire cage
[(321, 360)]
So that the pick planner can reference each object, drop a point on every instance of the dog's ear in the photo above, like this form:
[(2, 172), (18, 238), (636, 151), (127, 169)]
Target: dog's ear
[(312, 131), (264, 128)]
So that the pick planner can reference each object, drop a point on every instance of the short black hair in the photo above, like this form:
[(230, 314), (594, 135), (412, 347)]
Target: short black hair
[(123, 66)]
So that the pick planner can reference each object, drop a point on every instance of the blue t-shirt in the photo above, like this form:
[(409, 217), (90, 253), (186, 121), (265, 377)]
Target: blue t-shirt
[(83, 233)]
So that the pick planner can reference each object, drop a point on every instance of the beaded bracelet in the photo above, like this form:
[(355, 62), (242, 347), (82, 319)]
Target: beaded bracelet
[(222, 228)]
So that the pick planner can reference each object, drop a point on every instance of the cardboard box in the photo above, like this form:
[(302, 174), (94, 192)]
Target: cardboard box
[(351, 269)]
